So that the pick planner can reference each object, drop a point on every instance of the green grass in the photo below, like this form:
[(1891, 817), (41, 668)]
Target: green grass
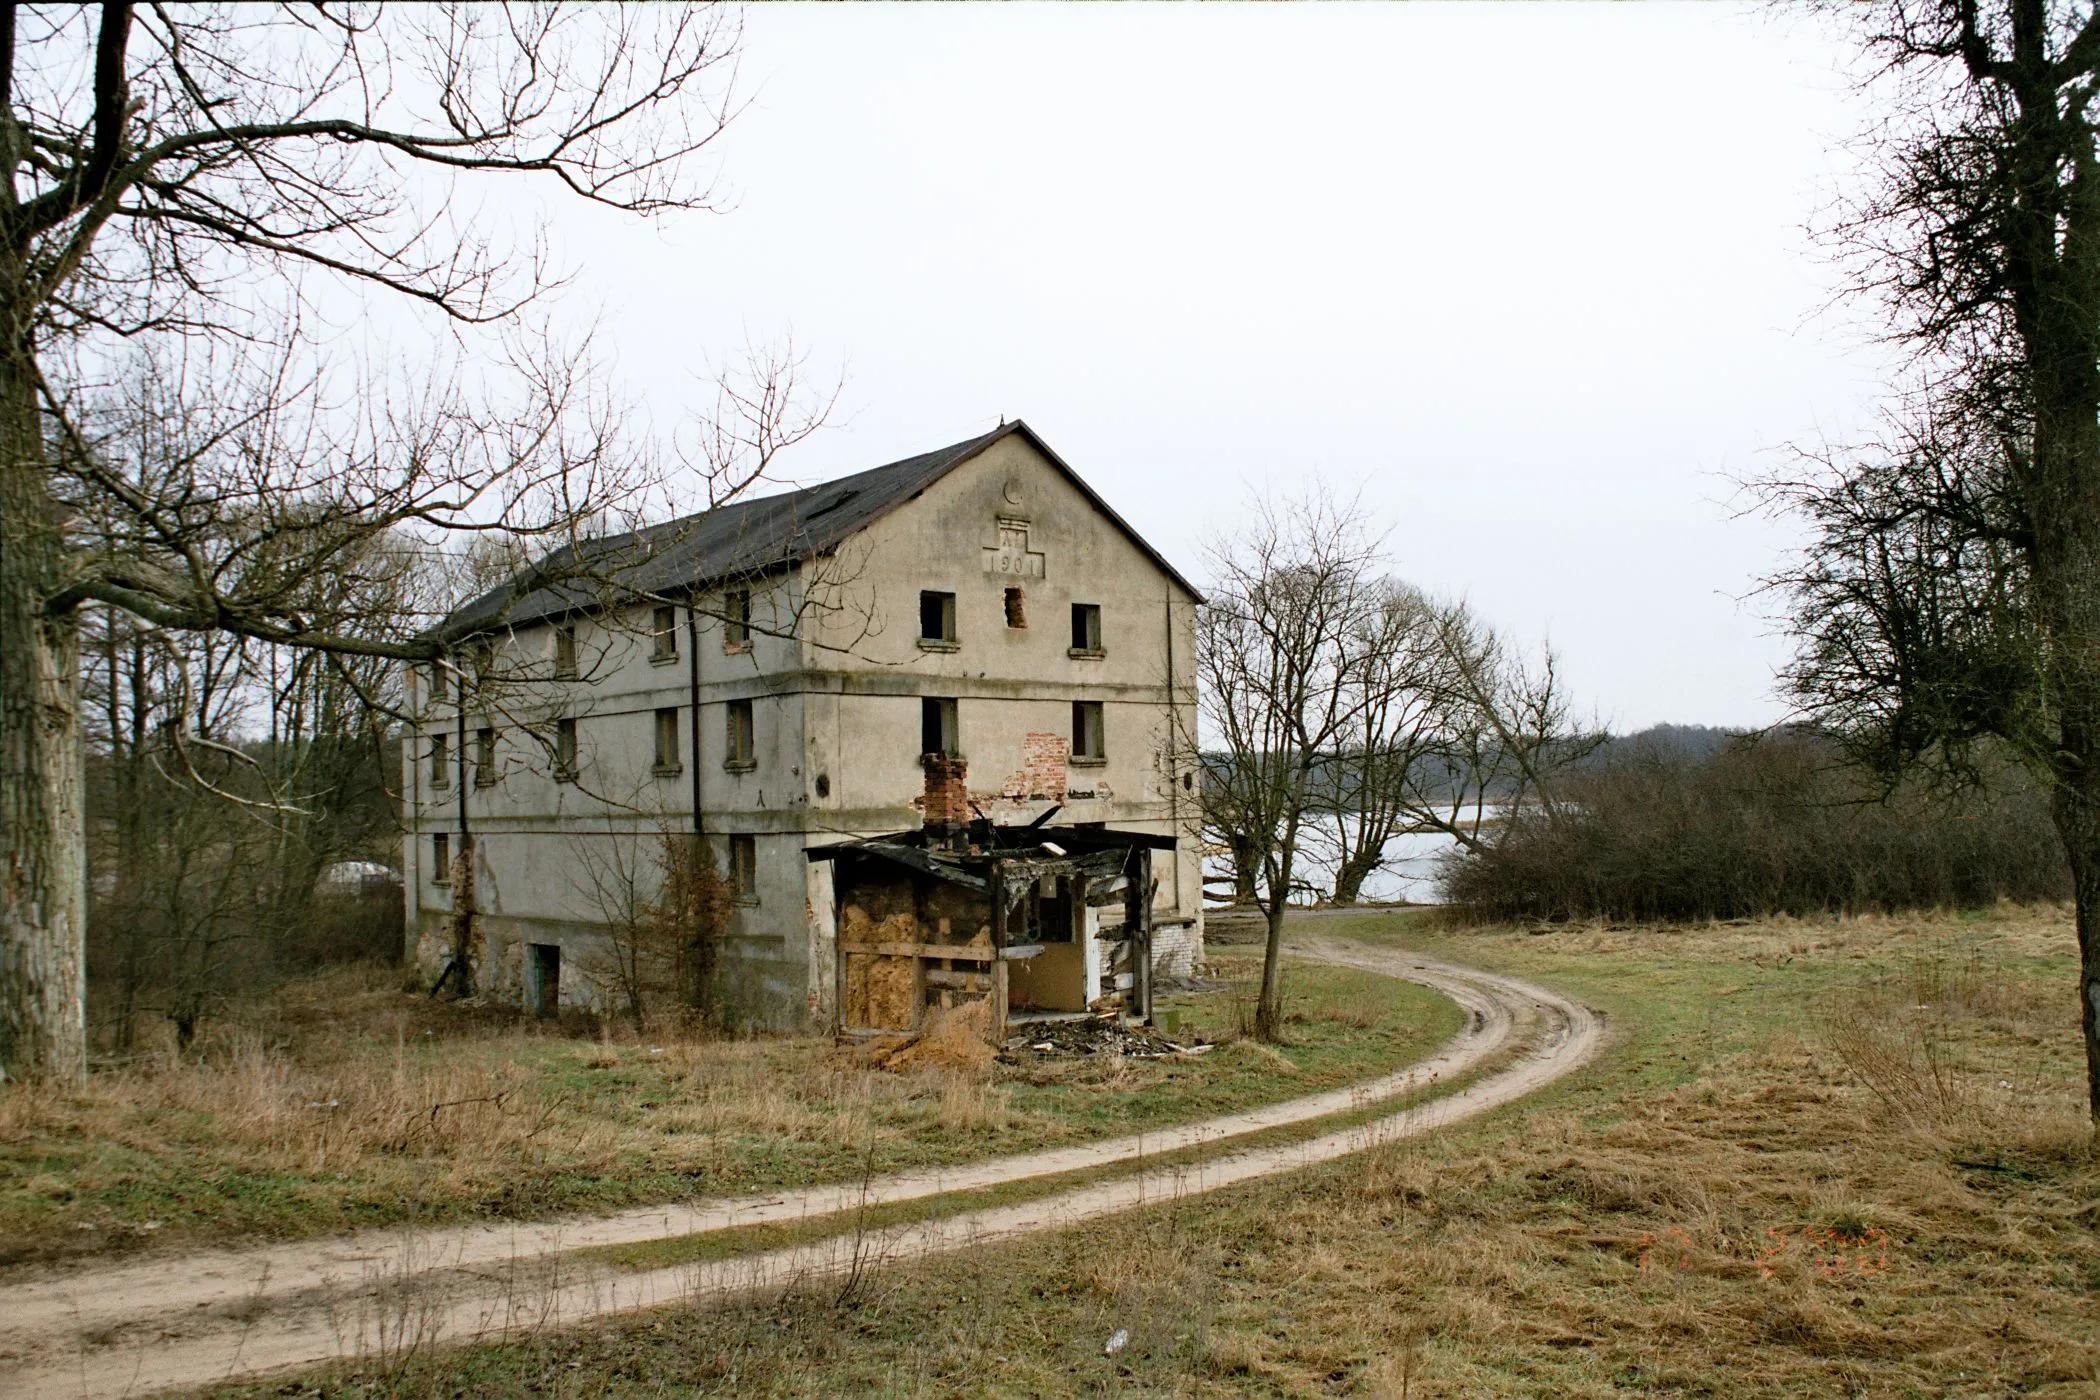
[(1738, 1199)]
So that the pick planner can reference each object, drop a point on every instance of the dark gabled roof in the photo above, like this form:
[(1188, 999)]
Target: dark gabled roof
[(739, 540)]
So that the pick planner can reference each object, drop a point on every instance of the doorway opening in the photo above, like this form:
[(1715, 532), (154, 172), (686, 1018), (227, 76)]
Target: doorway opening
[(543, 979)]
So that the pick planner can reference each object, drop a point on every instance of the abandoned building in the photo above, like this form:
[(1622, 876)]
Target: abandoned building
[(949, 699)]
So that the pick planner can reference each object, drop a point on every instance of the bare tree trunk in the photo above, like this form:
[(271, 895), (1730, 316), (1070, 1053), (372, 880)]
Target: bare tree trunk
[(1361, 859), (2078, 819), (43, 881), (1268, 1009), (1246, 866)]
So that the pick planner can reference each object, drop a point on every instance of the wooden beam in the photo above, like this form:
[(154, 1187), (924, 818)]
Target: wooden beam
[(960, 952)]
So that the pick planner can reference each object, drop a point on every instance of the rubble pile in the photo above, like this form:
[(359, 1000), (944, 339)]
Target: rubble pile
[(1048, 1040)]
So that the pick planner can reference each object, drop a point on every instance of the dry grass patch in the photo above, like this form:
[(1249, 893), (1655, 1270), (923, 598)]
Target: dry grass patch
[(1760, 1191), (349, 1102)]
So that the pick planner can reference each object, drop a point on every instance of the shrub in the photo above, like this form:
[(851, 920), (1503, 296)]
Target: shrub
[(1775, 824)]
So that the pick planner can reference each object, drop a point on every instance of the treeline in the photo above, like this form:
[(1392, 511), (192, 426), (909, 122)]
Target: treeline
[(1677, 829), (240, 827)]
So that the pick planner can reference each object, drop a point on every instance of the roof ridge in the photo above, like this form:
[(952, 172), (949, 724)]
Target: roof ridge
[(744, 537)]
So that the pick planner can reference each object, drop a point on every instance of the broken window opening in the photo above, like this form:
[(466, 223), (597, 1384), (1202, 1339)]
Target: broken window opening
[(565, 652), (565, 751), (738, 732), (484, 756), (937, 619), (1016, 608), (1089, 744), (441, 858), (667, 764), (938, 727), (663, 630), (1086, 628), (743, 868), (440, 769), (736, 619)]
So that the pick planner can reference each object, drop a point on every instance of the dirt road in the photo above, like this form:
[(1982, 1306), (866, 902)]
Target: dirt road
[(191, 1320)]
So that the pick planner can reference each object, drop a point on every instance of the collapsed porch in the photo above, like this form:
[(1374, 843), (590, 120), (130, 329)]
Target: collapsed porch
[(1007, 917)]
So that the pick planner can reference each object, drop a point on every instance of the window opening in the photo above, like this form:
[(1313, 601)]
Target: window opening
[(1087, 739), (565, 653), (664, 628), (667, 741), (937, 727), (1086, 627), (441, 858), (484, 756), (1016, 611), (440, 750), (937, 617), (743, 868), (741, 748), (736, 621), (565, 751)]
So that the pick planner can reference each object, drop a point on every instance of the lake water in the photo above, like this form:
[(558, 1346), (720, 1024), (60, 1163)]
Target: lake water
[(1409, 875)]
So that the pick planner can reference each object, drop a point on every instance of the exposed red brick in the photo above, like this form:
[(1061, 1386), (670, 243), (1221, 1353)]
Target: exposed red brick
[(947, 800)]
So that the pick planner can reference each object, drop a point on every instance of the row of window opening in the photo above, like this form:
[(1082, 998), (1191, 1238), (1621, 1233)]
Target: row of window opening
[(939, 732), (740, 732), (937, 628), (742, 872), (940, 729)]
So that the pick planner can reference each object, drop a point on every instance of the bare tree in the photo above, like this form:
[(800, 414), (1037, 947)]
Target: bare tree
[(664, 906), (1451, 726), (1280, 654), (166, 169), (1394, 731), (1951, 593)]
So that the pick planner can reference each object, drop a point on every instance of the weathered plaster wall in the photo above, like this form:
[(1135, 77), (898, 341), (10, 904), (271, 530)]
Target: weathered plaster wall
[(836, 725)]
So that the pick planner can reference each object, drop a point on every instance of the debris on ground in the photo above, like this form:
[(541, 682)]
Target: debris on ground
[(954, 1038), (1092, 1035), (1179, 986)]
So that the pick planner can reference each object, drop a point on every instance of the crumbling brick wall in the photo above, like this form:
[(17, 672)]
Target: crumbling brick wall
[(1042, 774), (947, 799)]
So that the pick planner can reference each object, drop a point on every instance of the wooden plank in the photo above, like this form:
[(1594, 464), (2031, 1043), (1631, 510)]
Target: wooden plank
[(960, 952), (964, 981), (999, 998)]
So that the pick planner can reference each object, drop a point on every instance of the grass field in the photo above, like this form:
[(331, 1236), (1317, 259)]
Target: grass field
[(349, 1103), (1818, 1158)]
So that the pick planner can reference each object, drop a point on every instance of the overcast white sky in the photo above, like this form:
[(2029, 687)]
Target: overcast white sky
[(1534, 278)]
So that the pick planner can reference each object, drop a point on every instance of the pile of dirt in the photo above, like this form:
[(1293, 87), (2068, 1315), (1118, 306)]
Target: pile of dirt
[(1059, 1040), (955, 1038)]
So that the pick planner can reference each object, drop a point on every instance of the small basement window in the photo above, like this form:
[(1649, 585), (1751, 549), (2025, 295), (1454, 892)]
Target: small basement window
[(1086, 628), (565, 751), (1016, 612), (937, 619), (742, 750), (667, 764), (1088, 742), (743, 868), (663, 632), (937, 727)]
